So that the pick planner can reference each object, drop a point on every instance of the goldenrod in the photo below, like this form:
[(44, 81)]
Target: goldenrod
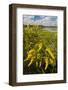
[(31, 61), (28, 57), (46, 63), (51, 61), (50, 53), (32, 51)]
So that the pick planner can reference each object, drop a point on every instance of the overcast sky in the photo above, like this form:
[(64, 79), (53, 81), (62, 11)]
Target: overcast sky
[(40, 20)]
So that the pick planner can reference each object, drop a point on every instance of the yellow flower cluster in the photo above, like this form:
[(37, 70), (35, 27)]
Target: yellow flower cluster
[(34, 56)]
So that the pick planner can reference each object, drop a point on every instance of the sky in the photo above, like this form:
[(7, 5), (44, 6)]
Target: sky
[(40, 20)]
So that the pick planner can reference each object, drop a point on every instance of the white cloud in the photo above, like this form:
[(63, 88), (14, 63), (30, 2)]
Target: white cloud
[(44, 20)]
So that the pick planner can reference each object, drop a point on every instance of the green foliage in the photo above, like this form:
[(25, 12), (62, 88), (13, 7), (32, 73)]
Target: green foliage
[(40, 50)]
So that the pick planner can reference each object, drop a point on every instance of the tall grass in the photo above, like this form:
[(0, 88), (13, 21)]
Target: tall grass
[(40, 50)]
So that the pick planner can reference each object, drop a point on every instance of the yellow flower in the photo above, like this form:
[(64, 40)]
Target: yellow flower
[(46, 63), (32, 51), (31, 61), (51, 61), (28, 57), (50, 53)]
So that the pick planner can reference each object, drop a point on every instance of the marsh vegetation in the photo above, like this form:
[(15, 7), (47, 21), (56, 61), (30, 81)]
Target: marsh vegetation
[(40, 49)]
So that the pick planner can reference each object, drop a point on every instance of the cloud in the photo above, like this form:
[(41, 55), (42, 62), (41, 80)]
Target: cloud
[(40, 20)]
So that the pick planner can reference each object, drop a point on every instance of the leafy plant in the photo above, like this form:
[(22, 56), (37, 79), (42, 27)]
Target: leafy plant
[(40, 50)]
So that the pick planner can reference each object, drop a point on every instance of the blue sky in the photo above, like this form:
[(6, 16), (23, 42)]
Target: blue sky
[(40, 20)]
